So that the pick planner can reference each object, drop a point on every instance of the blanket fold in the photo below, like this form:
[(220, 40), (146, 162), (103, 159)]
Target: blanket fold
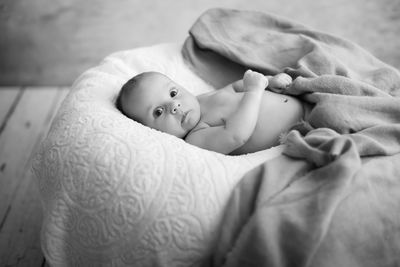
[(339, 212), (272, 44), (333, 198)]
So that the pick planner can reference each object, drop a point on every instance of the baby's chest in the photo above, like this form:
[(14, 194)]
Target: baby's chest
[(219, 107)]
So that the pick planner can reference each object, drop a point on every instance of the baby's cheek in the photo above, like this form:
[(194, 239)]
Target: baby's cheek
[(170, 126)]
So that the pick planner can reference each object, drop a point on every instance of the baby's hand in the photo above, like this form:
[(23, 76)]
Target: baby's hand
[(279, 82), (254, 81)]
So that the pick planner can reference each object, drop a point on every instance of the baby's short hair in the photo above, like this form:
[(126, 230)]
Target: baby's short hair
[(128, 87), (125, 90)]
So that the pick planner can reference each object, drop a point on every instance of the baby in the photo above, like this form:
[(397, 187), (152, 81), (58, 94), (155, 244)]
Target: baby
[(240, 118)]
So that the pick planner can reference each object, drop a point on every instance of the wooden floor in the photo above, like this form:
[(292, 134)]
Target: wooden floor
[(25, 116)]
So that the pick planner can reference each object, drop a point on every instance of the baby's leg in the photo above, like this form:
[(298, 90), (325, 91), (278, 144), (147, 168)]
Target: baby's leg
[(279, 82)]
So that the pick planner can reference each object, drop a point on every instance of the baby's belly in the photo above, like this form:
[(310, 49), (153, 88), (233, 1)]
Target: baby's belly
[(278, 113)]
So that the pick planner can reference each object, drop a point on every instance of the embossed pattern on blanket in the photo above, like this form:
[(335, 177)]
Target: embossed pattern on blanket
[(117, 193)]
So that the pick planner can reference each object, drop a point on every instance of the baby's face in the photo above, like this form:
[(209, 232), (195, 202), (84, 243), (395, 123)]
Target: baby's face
[(162, 104)]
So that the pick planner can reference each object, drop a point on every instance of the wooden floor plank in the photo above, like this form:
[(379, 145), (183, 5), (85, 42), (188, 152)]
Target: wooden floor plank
[(20, 235), (9, 97), (20, 207), (19, 137)]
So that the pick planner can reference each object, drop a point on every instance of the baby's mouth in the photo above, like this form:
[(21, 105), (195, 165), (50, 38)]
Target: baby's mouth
[(184, 116)]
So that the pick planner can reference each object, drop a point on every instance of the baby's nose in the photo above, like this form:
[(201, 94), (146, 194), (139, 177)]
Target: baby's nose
[(175, 107)]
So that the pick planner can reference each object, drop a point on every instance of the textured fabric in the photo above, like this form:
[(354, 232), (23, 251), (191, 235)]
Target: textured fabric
[(289, 212), (271, 44), (333, 198), (117, 193)]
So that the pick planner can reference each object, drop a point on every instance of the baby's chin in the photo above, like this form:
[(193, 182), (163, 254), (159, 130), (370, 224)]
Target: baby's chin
[(188, 125), (180, 132), (187, 130)]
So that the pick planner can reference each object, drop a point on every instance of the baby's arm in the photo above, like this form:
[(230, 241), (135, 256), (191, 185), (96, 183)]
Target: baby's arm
[(240, 125), (276, 83)]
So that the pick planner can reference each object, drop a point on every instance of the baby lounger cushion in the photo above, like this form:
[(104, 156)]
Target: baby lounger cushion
[(117, 193)]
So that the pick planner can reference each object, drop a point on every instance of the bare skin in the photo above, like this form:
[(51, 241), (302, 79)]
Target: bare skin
[(240, 118)]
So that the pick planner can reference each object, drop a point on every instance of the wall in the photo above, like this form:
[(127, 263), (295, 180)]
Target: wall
[(50, 42)]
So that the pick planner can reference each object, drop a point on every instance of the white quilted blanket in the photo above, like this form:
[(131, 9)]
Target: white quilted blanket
[(116, 193)]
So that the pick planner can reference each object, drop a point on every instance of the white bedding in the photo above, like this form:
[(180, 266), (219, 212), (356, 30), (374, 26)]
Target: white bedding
[(117, 193)]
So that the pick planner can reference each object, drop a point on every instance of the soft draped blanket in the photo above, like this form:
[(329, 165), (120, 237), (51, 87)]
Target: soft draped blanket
[(333, 198)]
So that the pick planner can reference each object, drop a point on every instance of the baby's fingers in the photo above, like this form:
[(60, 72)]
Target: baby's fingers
[(280, 82), (254, 81)]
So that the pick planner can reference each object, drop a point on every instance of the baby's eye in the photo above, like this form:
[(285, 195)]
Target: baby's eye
[(158, 112), (173, 92)]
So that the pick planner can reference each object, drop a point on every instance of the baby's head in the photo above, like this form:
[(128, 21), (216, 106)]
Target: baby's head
[(154, 100)]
